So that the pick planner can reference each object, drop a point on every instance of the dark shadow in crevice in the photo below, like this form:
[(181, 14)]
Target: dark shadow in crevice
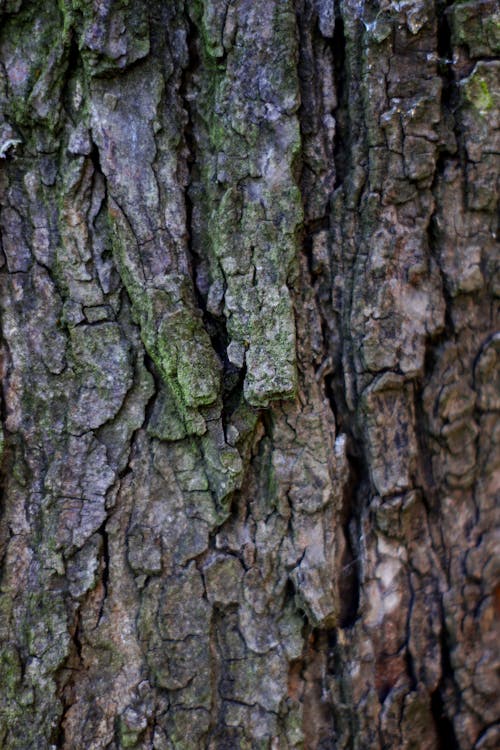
[(329, 390), (341, 113), (355, 499), (105, 558), (444, 726), (349, 584), (445, 54), (310, 229), (73, 66)]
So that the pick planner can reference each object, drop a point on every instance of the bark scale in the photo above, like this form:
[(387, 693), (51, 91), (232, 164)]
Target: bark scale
[(249, 292)]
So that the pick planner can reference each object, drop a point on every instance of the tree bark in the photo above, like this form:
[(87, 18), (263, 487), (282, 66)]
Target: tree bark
[(250, 384)]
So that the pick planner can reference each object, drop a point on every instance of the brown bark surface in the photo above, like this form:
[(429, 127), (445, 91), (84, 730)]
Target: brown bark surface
[(250, 375)]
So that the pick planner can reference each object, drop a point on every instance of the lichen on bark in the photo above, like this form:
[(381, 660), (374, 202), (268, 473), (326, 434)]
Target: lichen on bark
[(249, 356)]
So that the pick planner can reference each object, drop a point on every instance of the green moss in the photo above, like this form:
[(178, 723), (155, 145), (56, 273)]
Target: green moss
[(477, 88), (174, 337), (252, 203), (484, 100), (209, 21), (36, 43), (128, 737), (218, 133), (476, 28), (10, 672)]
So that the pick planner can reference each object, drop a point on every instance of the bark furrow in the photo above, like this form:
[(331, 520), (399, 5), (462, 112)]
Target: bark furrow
[(249, 354)]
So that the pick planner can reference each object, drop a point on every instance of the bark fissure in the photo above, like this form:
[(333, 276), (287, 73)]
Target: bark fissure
[(249, 356)]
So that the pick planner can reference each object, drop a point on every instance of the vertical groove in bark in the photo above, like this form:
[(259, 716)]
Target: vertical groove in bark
[(249, 360)]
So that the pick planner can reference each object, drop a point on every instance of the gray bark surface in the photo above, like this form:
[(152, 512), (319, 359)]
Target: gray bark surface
[(249, 354)]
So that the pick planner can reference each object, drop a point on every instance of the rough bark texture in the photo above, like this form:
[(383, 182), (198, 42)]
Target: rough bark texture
[(249, 290)]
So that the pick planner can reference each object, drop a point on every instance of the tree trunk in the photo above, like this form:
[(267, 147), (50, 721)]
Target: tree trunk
[(250, 374)]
